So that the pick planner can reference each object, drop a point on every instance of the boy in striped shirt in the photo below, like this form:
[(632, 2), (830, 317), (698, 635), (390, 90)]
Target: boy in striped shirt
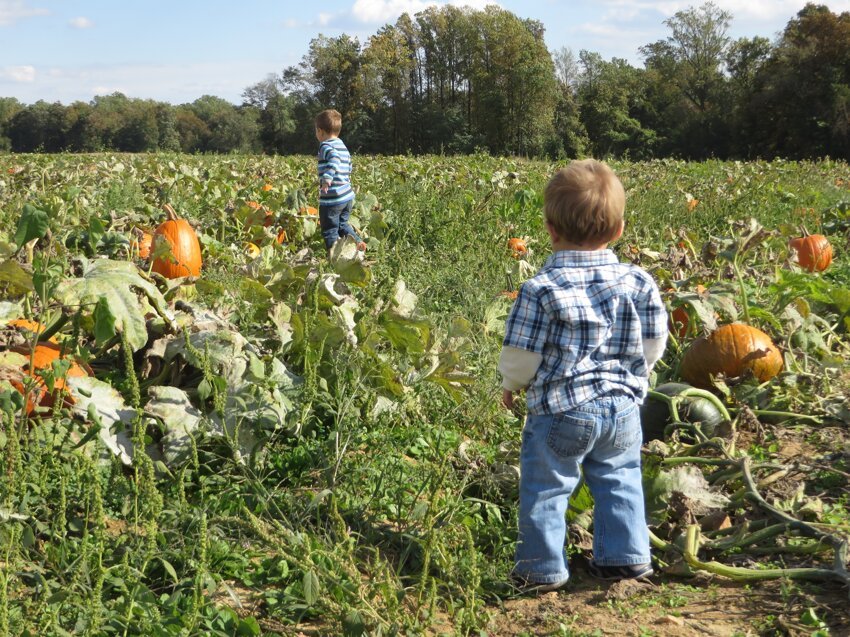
[(582, 338), (336, 197)]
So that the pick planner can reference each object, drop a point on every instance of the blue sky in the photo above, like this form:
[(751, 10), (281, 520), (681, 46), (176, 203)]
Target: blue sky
[(179, 50)]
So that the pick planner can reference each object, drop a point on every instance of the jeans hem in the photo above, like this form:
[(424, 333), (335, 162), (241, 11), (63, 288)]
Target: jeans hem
[(626, 562), (540, 578)]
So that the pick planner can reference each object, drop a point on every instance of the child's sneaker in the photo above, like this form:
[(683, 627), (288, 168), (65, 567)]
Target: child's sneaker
[(528, 587), (361, 246), (630, 571)]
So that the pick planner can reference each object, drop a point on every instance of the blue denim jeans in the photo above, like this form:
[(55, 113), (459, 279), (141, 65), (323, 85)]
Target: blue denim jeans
[(334, 222), (603, 437)]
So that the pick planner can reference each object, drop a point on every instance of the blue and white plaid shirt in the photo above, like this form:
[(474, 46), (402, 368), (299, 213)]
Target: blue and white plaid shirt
[(587, 314)]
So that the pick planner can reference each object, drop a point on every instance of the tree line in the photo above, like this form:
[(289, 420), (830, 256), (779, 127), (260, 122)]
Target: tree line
[(457, 80)]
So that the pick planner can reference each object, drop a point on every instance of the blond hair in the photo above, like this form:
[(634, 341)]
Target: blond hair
[(585, 202), (329, 121)]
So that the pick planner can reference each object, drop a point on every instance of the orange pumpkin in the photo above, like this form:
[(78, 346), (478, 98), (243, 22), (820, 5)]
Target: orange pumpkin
[(141, 243), (42, 359), (30, 326), (145, 243), (267, 187), (679, 321), (731, 350), (251, 249), (185, 258), (308, 210), (281, 237), (814, 253), (517, 246)]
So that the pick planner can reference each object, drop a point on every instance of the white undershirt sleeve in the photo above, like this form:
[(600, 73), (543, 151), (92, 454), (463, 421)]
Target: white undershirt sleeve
[(518, 367), (653, 349)]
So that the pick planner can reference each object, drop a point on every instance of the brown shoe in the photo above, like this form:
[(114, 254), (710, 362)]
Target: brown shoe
[(361, 246)]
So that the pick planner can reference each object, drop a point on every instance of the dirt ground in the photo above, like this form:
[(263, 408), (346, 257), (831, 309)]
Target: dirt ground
[(667, 607)]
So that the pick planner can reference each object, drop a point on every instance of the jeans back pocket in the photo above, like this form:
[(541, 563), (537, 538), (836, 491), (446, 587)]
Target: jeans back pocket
[(628, 428), (570, 434)]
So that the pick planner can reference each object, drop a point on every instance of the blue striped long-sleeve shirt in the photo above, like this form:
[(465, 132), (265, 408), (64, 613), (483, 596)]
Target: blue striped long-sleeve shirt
[(334, 167)]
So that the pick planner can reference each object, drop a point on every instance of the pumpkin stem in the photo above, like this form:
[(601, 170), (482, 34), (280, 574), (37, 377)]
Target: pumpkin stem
[(169, 212)]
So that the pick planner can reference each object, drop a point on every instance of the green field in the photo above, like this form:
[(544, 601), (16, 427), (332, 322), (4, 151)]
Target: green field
[(295, 445)]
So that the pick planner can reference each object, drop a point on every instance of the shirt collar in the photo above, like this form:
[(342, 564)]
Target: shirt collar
[(580, 258)]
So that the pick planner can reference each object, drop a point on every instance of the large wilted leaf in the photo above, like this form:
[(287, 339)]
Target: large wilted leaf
[(348, 262), (9, 311), (115, 416), (403, 302), (179, 418), (223, 349), (124, 292), (12, 273), (685, 479)]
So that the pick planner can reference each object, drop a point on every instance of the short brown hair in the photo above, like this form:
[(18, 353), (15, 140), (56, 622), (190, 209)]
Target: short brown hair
[(585, 202), (329, 121)]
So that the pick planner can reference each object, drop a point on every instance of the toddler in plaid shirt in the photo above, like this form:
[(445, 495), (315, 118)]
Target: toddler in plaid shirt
[(582, 338)]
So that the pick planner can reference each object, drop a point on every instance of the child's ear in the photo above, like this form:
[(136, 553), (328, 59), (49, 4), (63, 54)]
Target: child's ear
[(553, 234), (619, 232)]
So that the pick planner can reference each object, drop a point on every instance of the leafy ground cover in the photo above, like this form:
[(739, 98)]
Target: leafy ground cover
[(291, 443)]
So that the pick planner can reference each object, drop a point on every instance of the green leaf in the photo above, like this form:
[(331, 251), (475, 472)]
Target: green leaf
[(126, 294), (104, 321), (248, 627), (311, 587), (32, 224), (169, 568)]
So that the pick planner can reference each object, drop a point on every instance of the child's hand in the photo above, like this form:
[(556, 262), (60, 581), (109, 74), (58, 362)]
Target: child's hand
[(508, 399), (324, 186)]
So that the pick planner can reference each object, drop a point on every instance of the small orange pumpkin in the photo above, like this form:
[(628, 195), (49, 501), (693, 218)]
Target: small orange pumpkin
[(141, 243), (251, 249), (281, 237), (185, 249), (814, 252), (731, 350), (308, 210), (517, 246), (679, 321), (267, 187)]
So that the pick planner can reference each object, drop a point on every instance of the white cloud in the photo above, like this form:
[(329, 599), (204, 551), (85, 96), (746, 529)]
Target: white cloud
[(383, 11), (13, 10), (18, 74), (324, 19), (175, 83), (291, 23), (81, 23)]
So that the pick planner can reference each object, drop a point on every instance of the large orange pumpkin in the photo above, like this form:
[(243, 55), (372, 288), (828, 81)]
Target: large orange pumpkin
[(731, 350), (185, 249), (42, 359), (814, 253)]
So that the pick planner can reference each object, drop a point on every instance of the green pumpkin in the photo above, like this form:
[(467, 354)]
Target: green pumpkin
[(655, 414)]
